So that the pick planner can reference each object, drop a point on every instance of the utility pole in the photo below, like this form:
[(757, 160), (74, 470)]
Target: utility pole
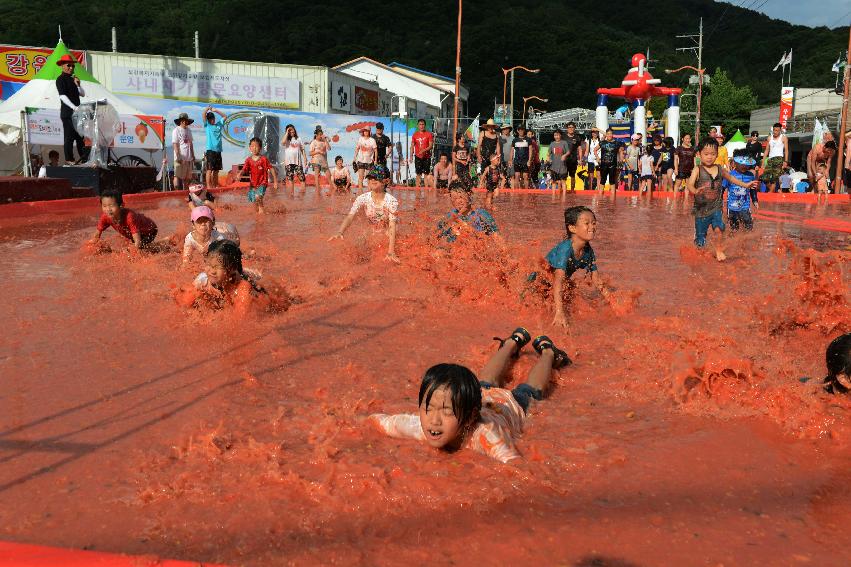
[(457, 73), (840, 146), (697, 50)]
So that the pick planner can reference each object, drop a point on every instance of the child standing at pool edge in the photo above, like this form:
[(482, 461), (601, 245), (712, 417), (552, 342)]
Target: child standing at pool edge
[(258, 168), (457, 410), (574, 253)]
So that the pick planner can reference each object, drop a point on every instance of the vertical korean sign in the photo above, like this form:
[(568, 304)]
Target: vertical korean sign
[(787, 104)]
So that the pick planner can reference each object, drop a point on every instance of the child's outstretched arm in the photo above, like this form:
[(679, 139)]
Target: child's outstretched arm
[(346, 222), (391, 235), (598, 283), (558, 287), (731, 179)]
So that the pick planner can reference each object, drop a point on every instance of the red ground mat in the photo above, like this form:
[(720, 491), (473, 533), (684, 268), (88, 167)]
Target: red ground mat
[(25, 555)]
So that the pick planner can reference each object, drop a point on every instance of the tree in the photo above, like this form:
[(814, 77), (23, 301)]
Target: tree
[(726, 104)]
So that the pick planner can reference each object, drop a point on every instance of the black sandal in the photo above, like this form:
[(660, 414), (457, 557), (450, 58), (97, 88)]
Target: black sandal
[(561, 359), (520, 336)]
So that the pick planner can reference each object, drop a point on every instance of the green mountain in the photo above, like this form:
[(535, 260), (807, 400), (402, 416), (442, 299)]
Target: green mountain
[(579, 45)]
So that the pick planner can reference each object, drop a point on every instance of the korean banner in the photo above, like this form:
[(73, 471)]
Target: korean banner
[(20, 64), (214, 88), (366, 100), (341, 96), (787, 102), (135, 131)]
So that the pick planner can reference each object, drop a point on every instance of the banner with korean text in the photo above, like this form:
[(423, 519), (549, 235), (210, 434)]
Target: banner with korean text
[(20, 64), (135, 131), (212, 88), (787, 105)]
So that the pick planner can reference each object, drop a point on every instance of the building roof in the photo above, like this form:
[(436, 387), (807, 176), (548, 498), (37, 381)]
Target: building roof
[(400, 70), (420, 71)]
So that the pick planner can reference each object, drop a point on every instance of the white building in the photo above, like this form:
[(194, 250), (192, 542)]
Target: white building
[(427, 95), (808, 101), (311, 88)]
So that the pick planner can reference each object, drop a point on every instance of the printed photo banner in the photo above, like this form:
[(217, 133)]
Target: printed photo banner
[(208, 88), (136, 131), (341, 129), (366, 100)]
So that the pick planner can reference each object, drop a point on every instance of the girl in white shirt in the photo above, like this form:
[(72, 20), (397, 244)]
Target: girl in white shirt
[(293, 154), (365, 152), (379, 207)]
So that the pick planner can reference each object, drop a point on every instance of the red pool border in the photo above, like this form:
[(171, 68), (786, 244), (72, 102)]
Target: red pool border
[(28, 555), (58, 206)]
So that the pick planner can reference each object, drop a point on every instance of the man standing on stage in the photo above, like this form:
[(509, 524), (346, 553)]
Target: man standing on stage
[(70, 91)]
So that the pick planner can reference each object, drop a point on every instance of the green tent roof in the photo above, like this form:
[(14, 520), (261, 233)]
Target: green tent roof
[(50, 71), (738, 137)]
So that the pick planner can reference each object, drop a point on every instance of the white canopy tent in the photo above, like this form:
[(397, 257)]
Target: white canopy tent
[(40, 92)]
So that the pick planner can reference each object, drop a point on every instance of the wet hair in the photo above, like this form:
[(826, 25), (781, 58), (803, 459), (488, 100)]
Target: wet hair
[(707, 142), (838, 359), (571, 217), (456, 186), (228, 254), (255, 139), (112, 194), (338, 158), (287, 130), (830, 145), (463, 387)]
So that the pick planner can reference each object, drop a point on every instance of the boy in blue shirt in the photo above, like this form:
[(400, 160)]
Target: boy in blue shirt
[(213, 156), (463, 216), (739, 199)]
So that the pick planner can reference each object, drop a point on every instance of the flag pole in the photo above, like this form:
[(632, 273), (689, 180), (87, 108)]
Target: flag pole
[(840, 147)]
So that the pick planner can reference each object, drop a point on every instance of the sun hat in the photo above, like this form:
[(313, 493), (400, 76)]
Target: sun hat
[(202, 211), (379, 172), (489, 124), (745, 160), (504, 126), (365, 128), (182, 116), (66, 59)]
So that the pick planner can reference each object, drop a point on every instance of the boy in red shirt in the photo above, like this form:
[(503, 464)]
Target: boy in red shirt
[(258, 169), (133, 226), (422, 143)]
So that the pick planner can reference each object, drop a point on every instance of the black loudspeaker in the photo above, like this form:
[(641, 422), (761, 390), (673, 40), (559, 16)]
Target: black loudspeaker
[(123, 179), (267, 127)]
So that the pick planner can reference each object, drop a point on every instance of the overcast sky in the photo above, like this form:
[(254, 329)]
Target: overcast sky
[(804, 12)]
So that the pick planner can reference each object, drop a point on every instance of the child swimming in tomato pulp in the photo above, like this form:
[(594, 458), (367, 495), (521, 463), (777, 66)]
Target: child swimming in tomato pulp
[(135, 227), (838, 359), (572, 254), (457, 410)]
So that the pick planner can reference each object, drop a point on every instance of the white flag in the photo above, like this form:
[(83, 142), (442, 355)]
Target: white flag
[(838, 66), (781, 62), (788, 58)]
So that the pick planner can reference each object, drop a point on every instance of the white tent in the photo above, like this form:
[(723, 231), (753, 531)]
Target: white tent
[(40, 92)]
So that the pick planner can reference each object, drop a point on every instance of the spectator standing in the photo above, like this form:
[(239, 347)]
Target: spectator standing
[(70, 90), (489, 144), (184, 151), (319, 148), (422, 144), (382, 144), (213, 154), (683, 162), (574, 154), (505, 141), (776, 152), (535, 158), (754, 147)]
